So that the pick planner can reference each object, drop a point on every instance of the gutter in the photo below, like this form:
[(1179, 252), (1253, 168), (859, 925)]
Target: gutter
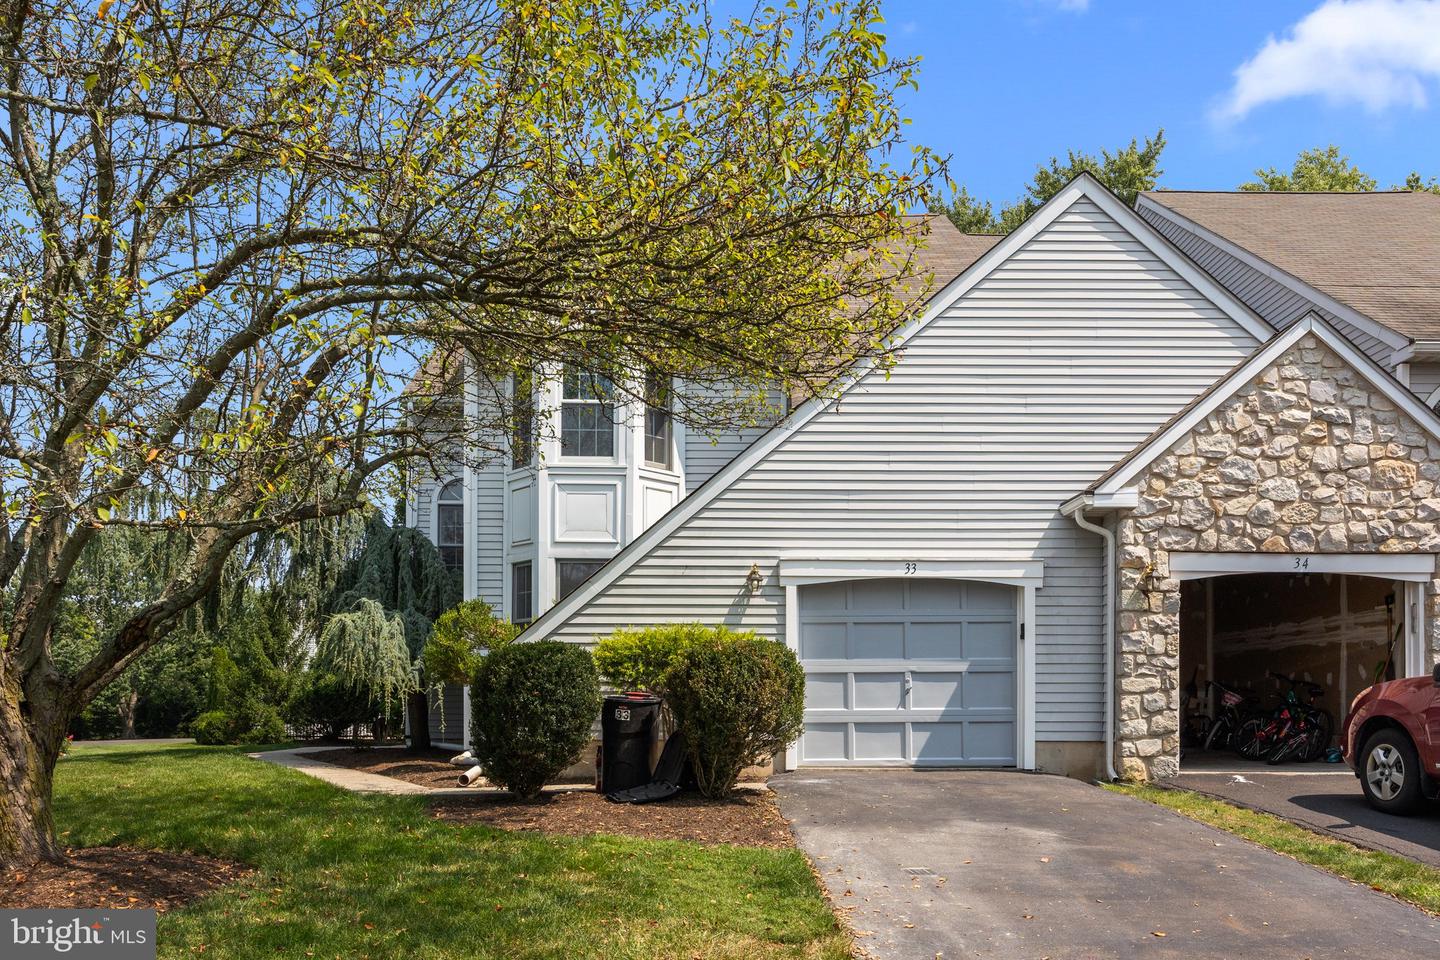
[(1075, 510)]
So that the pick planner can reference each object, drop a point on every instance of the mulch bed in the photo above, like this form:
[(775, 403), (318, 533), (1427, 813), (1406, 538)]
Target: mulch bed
[(429, 769), (748, 819), (117, 877)]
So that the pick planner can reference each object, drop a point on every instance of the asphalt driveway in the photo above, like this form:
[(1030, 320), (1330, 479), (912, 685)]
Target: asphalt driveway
[(979, 864), (1327, 799)]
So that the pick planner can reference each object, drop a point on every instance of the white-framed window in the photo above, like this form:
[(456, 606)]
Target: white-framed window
[(587, 415), (569, 574), (522, 593), (659, 421), (450, 525), (522, 439)]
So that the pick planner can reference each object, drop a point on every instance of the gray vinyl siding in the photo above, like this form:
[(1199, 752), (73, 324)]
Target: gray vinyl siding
[(446, 711), (1424, 379), (1042, 376), (488, 545), (1277, 303), (705, 454), (447, 715)]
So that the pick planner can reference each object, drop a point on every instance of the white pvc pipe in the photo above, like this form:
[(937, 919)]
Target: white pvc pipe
[(1078, 515), (462, 759), (469, 776)]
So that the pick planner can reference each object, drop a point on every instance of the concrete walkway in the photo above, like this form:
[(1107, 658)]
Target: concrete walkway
[(1009, 865), (358, 781)]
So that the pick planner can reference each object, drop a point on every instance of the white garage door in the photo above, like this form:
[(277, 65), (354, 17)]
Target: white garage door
[(908, 672)]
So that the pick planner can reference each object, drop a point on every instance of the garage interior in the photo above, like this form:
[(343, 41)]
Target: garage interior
[(1340, 631)]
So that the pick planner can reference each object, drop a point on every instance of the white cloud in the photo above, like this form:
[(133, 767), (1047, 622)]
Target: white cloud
[(1377, 53), (1073, 6)]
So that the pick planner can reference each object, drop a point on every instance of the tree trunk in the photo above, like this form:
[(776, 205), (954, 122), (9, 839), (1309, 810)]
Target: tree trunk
[(27, 767), (419, 709), (129, 702)]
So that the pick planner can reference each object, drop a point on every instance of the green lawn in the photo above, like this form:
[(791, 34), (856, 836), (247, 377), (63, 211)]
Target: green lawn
[(343, 875), (1405, 879)]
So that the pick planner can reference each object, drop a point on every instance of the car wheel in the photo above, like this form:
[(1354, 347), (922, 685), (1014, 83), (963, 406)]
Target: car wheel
[(1390, 772)]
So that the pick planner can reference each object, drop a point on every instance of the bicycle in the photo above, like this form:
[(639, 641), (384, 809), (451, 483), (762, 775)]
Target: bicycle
[(1234, 708), (1296, 729)]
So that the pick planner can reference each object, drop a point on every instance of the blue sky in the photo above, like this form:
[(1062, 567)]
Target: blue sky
[(1005, 84)]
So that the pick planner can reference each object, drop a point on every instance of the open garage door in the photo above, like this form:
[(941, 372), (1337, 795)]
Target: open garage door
[(903, 672), (1337, 633)]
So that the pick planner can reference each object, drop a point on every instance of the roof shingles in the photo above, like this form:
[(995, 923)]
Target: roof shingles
[(1378, 253)]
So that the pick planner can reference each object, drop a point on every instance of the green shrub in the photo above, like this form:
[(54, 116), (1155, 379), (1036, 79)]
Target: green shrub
[(532, 707), (266, 728), (260, 725), (323, 699), (212, 727), (638, 659), (460, 639), (738, 700)]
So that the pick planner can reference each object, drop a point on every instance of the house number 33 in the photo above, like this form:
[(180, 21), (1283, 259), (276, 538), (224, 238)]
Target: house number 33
[(910, 567)]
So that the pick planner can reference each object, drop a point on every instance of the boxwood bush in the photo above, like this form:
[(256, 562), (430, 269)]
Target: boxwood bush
[(738, 699), (639, 658), (532, 707)]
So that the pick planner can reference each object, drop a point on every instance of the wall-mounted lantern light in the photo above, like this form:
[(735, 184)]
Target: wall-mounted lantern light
[(754, 579)]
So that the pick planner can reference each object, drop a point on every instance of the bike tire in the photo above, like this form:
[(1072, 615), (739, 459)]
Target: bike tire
[(1247, 741), (1218, 738), (1289, 747), (1319, 742)]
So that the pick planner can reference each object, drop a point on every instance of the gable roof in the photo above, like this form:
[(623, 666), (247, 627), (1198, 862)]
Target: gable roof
[(1110, 487), (1084, 186), (1375, 253)]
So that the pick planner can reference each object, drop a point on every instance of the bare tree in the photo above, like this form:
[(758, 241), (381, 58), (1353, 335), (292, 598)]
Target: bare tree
[(231, 230)]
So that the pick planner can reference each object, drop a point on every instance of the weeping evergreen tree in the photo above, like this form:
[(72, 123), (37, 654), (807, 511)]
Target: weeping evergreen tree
[(397, 568), (365, 651)]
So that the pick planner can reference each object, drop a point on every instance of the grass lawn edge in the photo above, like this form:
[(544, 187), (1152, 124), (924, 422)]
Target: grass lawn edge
[(1410, 881)]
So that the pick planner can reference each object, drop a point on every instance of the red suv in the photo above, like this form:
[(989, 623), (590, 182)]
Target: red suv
[(1392, 741)]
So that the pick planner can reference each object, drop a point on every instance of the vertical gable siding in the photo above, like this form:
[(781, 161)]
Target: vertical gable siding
[(1048, 371), (1278, 304)]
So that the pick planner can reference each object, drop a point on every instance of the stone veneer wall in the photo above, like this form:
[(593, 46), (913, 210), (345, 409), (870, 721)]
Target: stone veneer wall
[(1307, 458)]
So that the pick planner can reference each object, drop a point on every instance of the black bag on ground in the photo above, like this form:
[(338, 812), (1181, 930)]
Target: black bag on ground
[(669, 774)]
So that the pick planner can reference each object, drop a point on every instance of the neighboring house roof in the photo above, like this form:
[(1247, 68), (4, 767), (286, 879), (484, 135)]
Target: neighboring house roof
[(1111, 486), (1084, 186), (947, 252), (1376, 253)]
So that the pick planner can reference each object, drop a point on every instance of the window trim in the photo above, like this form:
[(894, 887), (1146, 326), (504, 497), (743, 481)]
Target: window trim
[(599, 564), (606, 405), (441, 504), (515, 566), (657, 401), (523, 446)]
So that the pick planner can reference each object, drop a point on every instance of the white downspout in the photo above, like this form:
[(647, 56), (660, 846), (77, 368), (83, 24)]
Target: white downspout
[(1077, 513)]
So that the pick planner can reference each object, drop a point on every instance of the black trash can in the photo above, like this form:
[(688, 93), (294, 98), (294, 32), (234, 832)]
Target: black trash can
[(628, 728)]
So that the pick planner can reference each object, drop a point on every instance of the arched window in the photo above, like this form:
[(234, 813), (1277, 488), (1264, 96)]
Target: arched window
[(450, 525)]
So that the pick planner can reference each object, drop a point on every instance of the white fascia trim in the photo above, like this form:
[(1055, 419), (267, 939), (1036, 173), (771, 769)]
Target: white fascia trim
[(1391, 338), (1126, 499), (1433, 399), (1412, 567), (1422, 350), (1017, 573), (1362, 362), (1085, 186)]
